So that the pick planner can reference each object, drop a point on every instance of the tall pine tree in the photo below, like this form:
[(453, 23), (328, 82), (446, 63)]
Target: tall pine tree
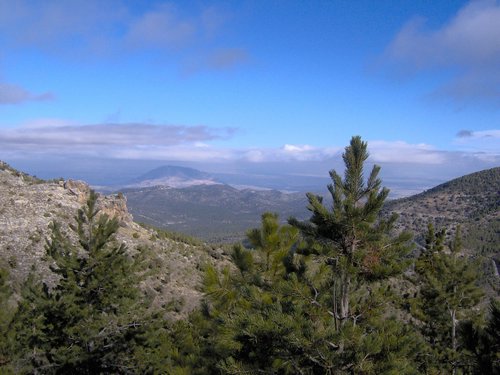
[(319, 306), (483, 342), (87, 322), (6, 312), (448, 294), (356, 242)]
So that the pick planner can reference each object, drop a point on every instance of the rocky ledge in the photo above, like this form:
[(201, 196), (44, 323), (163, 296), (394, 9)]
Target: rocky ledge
[(28, 206)]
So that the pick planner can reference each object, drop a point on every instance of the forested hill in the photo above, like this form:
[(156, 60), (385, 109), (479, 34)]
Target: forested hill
[(473, 201)]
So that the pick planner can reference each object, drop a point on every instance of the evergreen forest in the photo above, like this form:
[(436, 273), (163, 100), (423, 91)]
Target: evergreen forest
[(344, 292)]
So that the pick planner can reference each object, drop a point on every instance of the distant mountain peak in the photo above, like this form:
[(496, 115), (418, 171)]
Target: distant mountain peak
[(174, 176)]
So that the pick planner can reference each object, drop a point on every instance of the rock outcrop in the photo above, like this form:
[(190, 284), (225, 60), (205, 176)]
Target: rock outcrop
[(28, 206)]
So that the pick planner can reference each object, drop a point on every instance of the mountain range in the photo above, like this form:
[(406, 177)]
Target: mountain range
[(197, 203), (220, 213), (216, 212), (173, 176)]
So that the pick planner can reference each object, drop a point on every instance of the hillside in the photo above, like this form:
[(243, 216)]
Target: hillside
[(28, 205), (473, 201), (211, 212)]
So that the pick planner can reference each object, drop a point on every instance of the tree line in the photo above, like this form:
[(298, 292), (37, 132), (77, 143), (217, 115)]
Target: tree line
[(339, 293)]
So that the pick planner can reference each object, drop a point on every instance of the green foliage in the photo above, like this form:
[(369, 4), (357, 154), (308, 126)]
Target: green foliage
[(470, 201), (280, 311), (274, 241), (6, 312), (351, 237), (281, 321), (448, 294), (28, 333), (255, 326), (88, 321), (483, 342)]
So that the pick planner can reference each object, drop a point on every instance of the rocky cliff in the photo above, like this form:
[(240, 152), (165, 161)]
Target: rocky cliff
[(28, 205)]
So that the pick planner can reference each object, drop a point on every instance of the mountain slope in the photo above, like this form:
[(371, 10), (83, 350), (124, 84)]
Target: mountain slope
[(28, 206), (473, 201), (468, 199), (213, 212)]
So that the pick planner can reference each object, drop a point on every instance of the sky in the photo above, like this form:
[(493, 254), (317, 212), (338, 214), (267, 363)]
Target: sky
[(104, 90)]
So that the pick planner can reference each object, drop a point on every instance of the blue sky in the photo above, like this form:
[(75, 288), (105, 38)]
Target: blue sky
[(249, 85)]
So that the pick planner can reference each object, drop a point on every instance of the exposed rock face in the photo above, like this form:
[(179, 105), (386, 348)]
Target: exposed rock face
[(111, 205), (116, 206), (78, 188), (29, 205)]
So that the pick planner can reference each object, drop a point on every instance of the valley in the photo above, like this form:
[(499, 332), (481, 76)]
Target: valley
[(215, 213)]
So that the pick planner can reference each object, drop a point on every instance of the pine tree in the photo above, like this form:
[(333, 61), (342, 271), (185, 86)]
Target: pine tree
[(273, 240), (281, 322), (492, 337), (489, 351), (6, 312), (30, 335), (87, 322), (355, 240), (318, 306), (482, 341), (256, 324), (448, 292)]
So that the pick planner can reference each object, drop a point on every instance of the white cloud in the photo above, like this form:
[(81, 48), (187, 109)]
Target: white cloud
[(308, 152), (255, 156), (13, 94), (380, 152), (466, 45), (470, 38), (402, 152), (63, 147), (46, 123), (175, 152), (286, 153), (47, 138), (133, 140), (161, 28), (201, 145), (493, 133), (58, 25), (484, 143), (297, 149), (94, 28)]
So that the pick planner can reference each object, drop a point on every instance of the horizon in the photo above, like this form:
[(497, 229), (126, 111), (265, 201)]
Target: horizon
[(106, 92), (398, 188)]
